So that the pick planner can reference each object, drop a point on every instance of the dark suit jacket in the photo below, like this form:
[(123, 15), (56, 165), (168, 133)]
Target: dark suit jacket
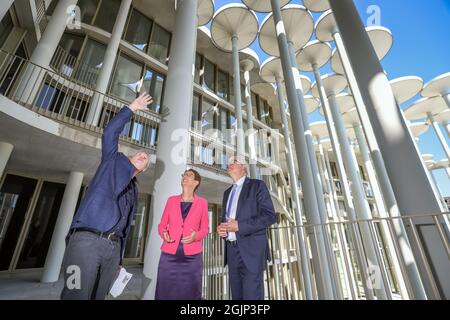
[(254, 213), (100, 208)]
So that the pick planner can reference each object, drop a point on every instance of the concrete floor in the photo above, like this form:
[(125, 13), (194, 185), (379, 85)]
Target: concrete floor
[(26, 286)]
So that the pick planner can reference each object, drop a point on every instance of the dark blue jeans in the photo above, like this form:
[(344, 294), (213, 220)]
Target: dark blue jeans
[(90, 266)]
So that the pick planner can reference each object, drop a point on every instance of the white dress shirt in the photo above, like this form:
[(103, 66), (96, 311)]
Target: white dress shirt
[(233, 206)]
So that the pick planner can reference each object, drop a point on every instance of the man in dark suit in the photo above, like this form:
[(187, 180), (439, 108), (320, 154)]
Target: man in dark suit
[(247, 212), (97, 237)]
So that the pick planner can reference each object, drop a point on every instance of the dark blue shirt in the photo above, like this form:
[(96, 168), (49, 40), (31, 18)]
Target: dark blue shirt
[(185, 207)]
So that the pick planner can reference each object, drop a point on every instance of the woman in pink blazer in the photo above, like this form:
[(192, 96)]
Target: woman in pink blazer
[(183, 226)]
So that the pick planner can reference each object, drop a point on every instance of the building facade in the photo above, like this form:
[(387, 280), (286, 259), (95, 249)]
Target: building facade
[(60, 87)]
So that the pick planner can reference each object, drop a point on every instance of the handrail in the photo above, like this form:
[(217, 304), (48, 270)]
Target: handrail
[(283, 275), (69, 101)]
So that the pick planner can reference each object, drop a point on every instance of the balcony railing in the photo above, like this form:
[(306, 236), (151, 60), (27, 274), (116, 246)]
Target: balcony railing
[(73, 68), (69, 101), (283, 277)]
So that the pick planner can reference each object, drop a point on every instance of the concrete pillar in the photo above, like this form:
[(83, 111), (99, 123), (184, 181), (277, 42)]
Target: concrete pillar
[(240, 142), (344, 181), (446, 125), (5, 152), (250, 130), (374, 184), (295, 197), (362, 208), (4, 7), (55, 254), (108, 63), (174, 138), (313, 161), (340, 229), (440, 136), (325, 285), (40, 59), (447, 99), (333, 207), (397, 150)]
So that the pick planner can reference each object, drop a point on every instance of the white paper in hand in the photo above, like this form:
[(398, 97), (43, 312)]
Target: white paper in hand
[(120, 283)]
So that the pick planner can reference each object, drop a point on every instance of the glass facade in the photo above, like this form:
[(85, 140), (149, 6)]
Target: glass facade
[(15, 197), (6, 26), (209, 75), (138, 30), (106, 15), (159, 44), (223, 85), (88, 10), (126, 82), (153, 83)]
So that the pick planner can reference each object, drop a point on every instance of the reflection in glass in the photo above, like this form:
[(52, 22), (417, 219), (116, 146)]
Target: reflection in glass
[(195, 120), (159, 44), (107, 15), (138, 30), (91, 62), (6, 26), (153, 84), (40, 231), (15, 197), (136, 237), (88, 9), (127, 78), (223, 85), (198, 68), (209, 112), (208, 78)]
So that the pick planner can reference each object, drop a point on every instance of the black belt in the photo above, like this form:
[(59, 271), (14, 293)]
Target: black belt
[(108, 235), (233, 243)]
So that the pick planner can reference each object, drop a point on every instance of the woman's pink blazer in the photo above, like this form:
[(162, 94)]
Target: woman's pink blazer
[(172, 220)]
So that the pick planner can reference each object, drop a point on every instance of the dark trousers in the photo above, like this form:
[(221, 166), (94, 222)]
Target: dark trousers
[(245, 284), (90, 266)]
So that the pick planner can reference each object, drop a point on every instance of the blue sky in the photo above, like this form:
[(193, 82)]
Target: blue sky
[(421, 48)]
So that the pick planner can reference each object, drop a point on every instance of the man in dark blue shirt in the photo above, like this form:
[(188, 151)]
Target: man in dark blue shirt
[(97, 237)]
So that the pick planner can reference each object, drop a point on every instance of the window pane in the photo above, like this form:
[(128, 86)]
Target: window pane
[(223, 123), (263, 111), (223, 85), (209, 110), (91, 62), (15, 197), (154, 84), (127, 77), (107, 15), (243, 98), (159, 44), (254, 107), (37, 241), (6, 26), (195, 123), (232, 126), (135, 240), (209, 75), (198, 68), (88, 8), (138, 31), (65, 61)]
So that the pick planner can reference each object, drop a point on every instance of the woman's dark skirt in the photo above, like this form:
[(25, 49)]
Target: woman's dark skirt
[(179, 277)]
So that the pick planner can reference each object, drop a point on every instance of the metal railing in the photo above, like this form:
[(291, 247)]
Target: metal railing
[(41, 17), (283, 278), (73, 68), (211, 153), (52, 95)]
